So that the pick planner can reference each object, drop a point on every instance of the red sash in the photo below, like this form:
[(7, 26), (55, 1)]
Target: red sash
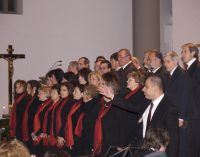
[(98, 132), (68, 127), (52, 135), (12, 123), (25, 135), (58, 117), (132, 92), (37, 123), (79, 125)]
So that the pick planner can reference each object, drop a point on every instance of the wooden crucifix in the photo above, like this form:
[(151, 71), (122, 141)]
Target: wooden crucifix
[(10, 57)]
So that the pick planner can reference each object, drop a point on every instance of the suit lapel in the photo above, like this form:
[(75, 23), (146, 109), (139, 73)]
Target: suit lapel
[(156, 115), (192, 67)]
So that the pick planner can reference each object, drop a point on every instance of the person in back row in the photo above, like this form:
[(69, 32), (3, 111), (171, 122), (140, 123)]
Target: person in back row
[(124, 58)]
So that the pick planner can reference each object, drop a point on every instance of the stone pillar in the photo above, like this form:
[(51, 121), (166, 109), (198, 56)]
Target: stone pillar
[(146, 26)]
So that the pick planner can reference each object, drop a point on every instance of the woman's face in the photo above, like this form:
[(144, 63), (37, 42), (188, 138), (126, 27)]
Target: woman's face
[(77, 94), (131, 84), (86, 96), (64, 92), (103, 83), (29, 89), (81, 80), (55, 95), (42, 95), (49, 82), (94, 80), (19, 88)]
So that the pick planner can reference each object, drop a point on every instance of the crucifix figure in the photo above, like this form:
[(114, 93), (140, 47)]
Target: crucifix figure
[(10, 57)]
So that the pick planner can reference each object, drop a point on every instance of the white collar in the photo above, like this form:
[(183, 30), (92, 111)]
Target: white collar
[(146, 112), (171, 72), (123, 67), (154, 71), (190, 62)]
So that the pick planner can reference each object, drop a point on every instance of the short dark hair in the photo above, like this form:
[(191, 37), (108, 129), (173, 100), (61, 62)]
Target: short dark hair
[(100, 58), (107, 62), (36, 84), (155, 138), (69, 86), (84, 73), (86, 60), (70, 77), (58, 73), (114, 56), (80, 87), (158, 55)]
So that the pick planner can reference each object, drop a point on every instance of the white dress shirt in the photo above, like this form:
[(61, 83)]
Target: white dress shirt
[(146, 112)]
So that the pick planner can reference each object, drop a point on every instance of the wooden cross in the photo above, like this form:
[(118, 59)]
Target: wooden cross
[(10, 57)]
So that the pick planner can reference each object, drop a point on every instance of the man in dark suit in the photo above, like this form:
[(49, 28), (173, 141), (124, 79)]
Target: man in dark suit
[(124, 58), (190, 55), (160, 114), (155, 60), (179, 91)]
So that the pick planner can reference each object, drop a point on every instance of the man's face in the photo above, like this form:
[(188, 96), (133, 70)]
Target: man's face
[(149, 89), (153, 61), (123, 58), (81, 64), (186, 55), (104, 68), (146, 59), (169, 63), (97, 66)]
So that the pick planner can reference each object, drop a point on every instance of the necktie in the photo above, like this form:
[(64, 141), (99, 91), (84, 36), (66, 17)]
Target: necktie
[(149, 116), (186, 66)]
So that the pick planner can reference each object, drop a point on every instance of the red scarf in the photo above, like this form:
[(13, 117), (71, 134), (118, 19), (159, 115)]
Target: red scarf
[(79, 125), (25, 135), (132, 92), (58, 117), (37, 124), (45, 139), (12, 123), (52, 135), (68, 127), (98, 132)]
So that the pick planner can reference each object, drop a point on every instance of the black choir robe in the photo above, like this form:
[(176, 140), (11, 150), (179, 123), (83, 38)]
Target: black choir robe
[(131, 118), (64, 112), (194, 73), (20, 109), (91, 110)]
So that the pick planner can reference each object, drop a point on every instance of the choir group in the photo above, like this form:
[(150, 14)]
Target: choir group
[(87, 112)]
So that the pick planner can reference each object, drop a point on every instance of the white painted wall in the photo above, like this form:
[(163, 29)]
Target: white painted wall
[(186, 22), (65, 30)]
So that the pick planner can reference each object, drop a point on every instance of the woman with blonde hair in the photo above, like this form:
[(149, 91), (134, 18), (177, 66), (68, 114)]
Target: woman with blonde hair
[(94, 78)]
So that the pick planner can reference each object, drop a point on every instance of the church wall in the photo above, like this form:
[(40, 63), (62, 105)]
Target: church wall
[(50, 30), (186, 23)]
